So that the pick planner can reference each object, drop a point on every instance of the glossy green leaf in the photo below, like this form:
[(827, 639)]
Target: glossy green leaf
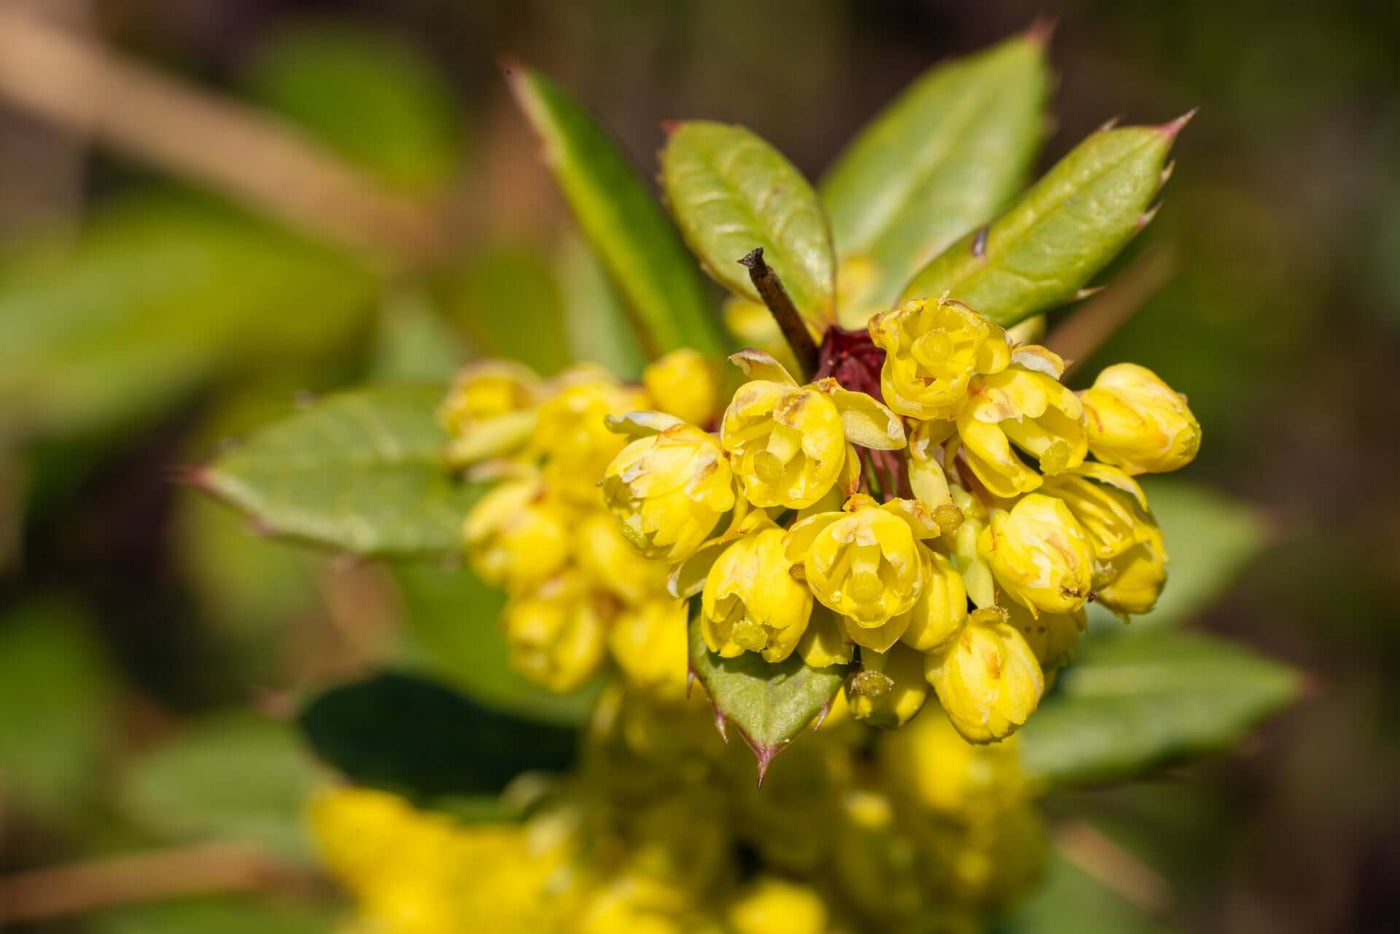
[(621, 220), (453, 632), (360, 472), (1129, 704), (374, 100), (237, 776), (160, 295), (731, 193), (1210, 539), (228, 914), (941, 159), (1047, 246), (1069, 901), (416, 737), (56, 693), (767, 704)]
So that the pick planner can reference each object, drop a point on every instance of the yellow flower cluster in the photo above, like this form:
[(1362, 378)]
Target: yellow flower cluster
[(926, 503), (661, 831), (577, 592)]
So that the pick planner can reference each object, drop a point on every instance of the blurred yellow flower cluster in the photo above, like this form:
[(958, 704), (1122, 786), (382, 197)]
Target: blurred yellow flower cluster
[(577, 591), (661, 830), (926, 504)]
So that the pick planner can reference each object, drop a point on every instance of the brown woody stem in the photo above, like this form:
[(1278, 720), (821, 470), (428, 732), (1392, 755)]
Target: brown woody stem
[(794, 328)]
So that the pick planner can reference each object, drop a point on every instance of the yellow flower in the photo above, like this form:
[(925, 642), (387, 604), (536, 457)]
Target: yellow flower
[(787, 443), (683, 384), (1134, 579), (613, 564), (1051, 636), (572, 434), (1024, 406), (932, 351), (555, 633), (941, 608), (931, 763), (751, 601), (649, 645), (825, 642), (516, 535), (987, 679), (1138, 422), (976, 572), (776, 906), (489, 412), (1040, 555), (890, 689), (865, 562), (668, 491)]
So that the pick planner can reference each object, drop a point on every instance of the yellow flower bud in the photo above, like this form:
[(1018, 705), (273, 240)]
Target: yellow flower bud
[(891, 689), (1109, 504), (516, 535), (1051, 636), (1138, 422), (489, 412), (932, 351), (863, 563), (987, 679), (668, 491), (555, 633), (1134, 579), (649, 645), (751, 600), (787, 443), (683, 383), (1024, 406), (572, 433), (941, 608), (775, 906), (825, 642), (613, 564), (1040, 555)]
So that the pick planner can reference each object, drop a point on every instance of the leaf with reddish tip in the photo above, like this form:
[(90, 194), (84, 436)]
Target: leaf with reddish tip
[(732, 193), (1061, 232), (767, 704)]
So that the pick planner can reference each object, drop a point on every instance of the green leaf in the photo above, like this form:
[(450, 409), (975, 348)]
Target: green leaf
[(160, 295), (237, 776), (215, 915), (361, 471), (56, 693), (1210, 539), (621, 220), (507, 301), (940, 160), (769, 704), (416, 737), (453, 632), (374, 100), (1129, 704), (731, 192), (1069, 901), (1047, 246)]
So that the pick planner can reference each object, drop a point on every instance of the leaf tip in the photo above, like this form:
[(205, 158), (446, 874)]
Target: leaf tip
[(1171, 128), (1110, 123), (1087, 292), (1146, 217), (765, 756), (722, 724), (1041, 30), (197, 476), (670, 126)]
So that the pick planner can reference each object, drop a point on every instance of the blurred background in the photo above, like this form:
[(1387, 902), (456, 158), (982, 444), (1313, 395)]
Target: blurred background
[(278, 198)]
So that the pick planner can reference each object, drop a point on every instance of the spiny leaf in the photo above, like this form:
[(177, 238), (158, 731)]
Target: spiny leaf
[(1048, 245), (767, 703), (938, 161), (732, 193), (621, 219), (361, 472), (1130, 703)]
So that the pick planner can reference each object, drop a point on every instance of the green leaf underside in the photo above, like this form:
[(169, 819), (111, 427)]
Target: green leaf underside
[(1130, 703), (731, 192), (621, 219), (768, 703), (941, 159), (239, 776), (361, 472), (1210, 538), (453, 632), (159, 295), (416, 737), (1048, 245)]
